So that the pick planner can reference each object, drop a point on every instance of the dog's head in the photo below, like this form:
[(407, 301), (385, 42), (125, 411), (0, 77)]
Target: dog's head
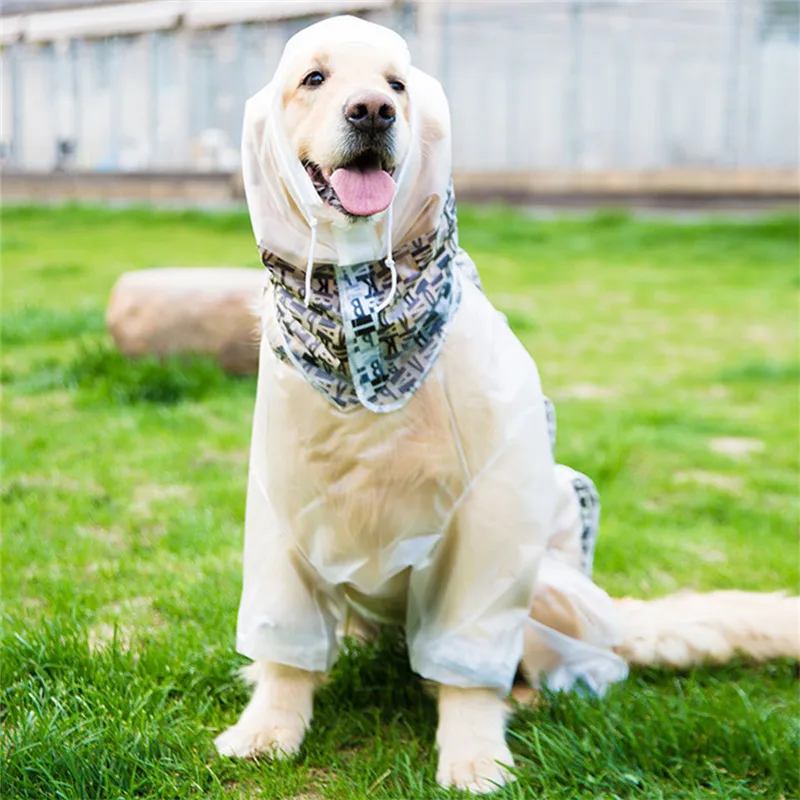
[(346, 116), (345, 129)]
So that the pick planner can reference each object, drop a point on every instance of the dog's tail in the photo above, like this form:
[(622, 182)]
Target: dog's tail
[(690, 628)]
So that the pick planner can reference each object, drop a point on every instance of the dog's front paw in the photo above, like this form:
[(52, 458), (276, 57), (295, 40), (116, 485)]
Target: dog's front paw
[(473, 754), (281, 740), (477, 768)]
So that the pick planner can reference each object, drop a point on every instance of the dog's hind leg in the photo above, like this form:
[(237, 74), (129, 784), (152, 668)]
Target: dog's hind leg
[(278, 715), (574, 624)]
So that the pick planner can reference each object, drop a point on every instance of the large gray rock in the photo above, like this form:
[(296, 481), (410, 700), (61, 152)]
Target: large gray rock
[(210, 310)]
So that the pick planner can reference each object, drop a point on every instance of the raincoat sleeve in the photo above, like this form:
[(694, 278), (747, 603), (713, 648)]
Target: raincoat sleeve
[(283, 615)]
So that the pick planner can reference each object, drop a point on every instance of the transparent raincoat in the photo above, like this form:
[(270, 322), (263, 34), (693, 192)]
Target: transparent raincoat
[(409, 480)]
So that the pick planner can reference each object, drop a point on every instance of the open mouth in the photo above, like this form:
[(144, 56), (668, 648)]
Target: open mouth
[(360, 188)]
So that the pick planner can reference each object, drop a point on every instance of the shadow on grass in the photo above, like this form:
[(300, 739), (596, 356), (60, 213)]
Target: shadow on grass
[(35, 325), (104, 374), (762, 372)]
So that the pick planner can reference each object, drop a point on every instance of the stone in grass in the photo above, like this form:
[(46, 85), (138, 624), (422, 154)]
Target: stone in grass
[(207, 310)]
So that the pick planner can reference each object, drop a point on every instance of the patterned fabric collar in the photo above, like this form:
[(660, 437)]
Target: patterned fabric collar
[(346, 350)]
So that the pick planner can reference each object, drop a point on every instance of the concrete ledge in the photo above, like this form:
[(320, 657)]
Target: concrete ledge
[(715, 182), (667, 189), (180, 188), (689, 188)]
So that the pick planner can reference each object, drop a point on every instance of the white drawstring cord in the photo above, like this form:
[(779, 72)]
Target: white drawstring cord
[(310, 262), (389, 263)]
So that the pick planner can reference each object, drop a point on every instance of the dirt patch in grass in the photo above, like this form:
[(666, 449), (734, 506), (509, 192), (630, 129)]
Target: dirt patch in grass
[(737, 447), (725, 483)]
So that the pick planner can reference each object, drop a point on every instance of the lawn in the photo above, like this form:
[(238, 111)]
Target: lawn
[(670, 350)]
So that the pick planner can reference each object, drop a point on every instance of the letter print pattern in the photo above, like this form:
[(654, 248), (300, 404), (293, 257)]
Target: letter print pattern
[(352, 354)]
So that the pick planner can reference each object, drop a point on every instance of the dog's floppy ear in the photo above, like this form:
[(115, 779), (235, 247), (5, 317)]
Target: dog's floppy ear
[(423, 187), (431, 109)]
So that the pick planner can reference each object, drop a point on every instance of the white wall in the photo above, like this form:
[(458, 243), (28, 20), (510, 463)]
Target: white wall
[(532, 85)]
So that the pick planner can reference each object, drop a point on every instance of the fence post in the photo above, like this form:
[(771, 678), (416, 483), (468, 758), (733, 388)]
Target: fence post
[(77, 98), (573, 105), (622, 40), (666, 72), (17, 103), (446, 40), (59, 99), (115, 104), (520, 147), (754, 87), (239, 65), (429, 36), (153, 64), (730, 122)]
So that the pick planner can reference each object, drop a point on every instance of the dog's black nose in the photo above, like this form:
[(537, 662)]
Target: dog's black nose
[(370, 113)]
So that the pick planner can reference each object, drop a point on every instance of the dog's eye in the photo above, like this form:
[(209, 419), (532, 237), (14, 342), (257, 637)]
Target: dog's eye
[(314, 79), (398, 86)]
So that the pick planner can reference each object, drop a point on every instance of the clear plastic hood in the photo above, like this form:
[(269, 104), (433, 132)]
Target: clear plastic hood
[(282, 200)]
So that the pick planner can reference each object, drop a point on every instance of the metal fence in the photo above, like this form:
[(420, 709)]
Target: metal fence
[(574, 84)]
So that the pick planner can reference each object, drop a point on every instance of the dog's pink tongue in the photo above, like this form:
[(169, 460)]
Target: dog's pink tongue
[(363, 192)]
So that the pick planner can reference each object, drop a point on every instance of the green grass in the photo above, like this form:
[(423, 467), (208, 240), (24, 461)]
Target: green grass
[(671, 352)]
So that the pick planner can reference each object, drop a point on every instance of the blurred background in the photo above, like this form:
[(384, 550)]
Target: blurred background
[(668, 101)]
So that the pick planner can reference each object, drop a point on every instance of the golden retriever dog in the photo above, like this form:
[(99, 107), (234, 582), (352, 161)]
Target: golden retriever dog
[(402, 455)]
